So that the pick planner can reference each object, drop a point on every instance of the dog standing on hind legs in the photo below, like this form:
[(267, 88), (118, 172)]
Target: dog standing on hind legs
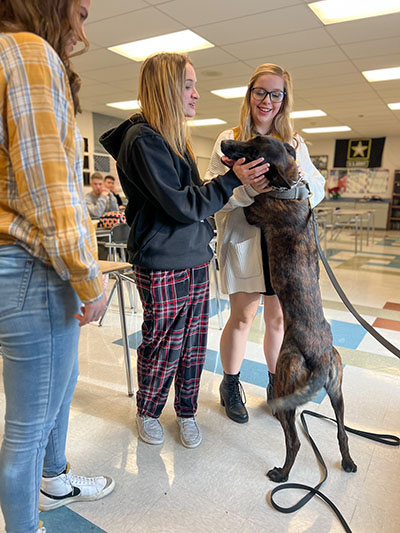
[(307, 360)]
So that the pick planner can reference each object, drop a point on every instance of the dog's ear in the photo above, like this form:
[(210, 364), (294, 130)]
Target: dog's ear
[(290, 150)]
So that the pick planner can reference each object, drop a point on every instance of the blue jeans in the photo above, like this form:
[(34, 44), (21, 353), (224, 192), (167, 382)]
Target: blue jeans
[(39, 338)]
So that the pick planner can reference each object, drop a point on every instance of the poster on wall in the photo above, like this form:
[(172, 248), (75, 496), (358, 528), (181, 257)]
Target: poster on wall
[(358, 182), (320, 161), (359, 153)]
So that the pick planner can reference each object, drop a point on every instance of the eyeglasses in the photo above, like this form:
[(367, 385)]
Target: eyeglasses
[(260, 94)]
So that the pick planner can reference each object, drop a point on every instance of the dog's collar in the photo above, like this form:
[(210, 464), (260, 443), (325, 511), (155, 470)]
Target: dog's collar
[(300, 191)]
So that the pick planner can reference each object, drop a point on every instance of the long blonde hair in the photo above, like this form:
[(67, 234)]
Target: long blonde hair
[(161, 86), (282, 125), (54, 21)]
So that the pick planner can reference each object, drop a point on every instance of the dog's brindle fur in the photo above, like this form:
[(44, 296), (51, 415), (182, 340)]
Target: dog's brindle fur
[(307, 360)]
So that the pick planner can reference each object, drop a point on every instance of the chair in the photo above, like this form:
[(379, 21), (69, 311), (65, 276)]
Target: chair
[(116, 270), (118, 238), (118, 243)]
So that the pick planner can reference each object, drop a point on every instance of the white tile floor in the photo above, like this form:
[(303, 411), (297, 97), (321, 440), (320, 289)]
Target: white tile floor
[(221, 486)]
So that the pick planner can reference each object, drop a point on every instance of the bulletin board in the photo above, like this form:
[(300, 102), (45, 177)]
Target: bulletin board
[(350, 183)]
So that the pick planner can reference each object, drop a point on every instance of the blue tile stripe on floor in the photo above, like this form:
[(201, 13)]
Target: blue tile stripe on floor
[(250, 372), (345, 335), (63, 520)]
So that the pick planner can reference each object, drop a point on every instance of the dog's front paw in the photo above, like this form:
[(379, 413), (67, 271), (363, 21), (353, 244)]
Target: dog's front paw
[(349, 465), (277, 475)]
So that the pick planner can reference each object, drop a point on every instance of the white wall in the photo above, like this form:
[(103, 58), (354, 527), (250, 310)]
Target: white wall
[(202, 148), (85, 124)]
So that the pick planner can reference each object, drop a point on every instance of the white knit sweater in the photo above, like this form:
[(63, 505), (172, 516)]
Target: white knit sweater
[(238, 242)]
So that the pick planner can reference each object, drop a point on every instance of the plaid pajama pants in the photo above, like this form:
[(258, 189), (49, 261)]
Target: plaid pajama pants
[(174, 330)]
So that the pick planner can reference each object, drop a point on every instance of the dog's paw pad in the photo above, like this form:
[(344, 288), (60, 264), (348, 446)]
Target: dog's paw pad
[(276, 474), (349, 465)]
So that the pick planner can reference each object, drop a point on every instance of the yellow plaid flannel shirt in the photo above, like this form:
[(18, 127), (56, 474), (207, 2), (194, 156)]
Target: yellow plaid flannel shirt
[(42, 205)]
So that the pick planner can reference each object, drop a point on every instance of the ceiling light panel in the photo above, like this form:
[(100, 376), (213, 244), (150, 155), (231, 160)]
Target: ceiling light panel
[(394, 106), (308, 113), (330, 129), (334, 11), (233, 92), (180, 42), (382, 74), (206, 122), (127, 104)]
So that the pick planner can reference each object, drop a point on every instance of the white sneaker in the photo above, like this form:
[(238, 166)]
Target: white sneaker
[(189, 432), (68, 488), (150, 430), (41, 529)]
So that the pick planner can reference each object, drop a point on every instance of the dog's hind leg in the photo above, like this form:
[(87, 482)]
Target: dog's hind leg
[(287, 420), (334, 390)]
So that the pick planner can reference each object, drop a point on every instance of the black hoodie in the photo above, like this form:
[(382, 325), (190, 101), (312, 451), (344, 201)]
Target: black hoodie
[(167, 203)]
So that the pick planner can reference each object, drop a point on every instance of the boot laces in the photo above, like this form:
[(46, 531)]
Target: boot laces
[(237, 394)]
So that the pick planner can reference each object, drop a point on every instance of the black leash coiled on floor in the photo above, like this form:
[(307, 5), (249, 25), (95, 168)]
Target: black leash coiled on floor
[(390, 440)]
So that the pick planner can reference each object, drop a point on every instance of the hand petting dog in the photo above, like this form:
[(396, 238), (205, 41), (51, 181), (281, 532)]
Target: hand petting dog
[(251, 173)]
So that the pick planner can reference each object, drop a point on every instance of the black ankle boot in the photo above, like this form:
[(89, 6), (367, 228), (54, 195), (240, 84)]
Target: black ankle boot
[(270, 386), (231, 398)]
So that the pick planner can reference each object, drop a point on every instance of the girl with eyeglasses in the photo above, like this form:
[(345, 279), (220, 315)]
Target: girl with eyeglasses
[(242, 253)]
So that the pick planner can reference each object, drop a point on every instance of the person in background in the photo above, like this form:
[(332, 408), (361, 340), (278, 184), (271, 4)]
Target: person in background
[(109, 183), (169, 240), (100, 199), (242, 252), (50, 283)]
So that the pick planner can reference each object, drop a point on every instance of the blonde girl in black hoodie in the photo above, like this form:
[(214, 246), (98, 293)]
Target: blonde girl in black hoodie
[(167, 210)]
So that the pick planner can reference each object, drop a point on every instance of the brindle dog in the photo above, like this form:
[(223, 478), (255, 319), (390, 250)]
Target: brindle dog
[(307, 360)]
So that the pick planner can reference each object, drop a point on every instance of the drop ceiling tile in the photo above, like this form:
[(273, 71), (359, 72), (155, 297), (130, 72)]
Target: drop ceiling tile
[(329, 81), (342, 91), (371, 48), (389, 95), (261, 49), (223, 83), (108, 10), (361, 30), (327, 69), (304, 58), (127, 85), (210, 11), (99, 89), (223, 71), (98, 59), (129, 71), (376, 62), (131, 27), (211, 57), (258, 26)]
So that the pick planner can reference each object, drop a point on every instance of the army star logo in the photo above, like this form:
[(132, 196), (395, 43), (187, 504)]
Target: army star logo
[(359, 149)]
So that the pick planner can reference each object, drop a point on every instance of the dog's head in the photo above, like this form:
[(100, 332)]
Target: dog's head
[(283, 171)]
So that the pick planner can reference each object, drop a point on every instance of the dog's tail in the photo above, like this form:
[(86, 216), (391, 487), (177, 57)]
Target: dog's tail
[(316, 381)]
